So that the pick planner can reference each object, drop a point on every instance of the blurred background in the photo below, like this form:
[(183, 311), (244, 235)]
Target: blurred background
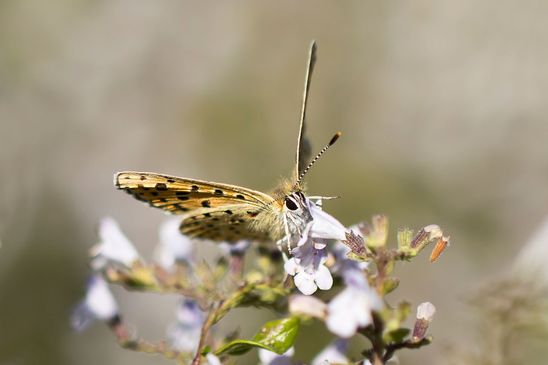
[(442, 106)]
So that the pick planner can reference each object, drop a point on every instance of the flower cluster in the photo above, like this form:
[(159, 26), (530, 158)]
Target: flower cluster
[(353, 265)]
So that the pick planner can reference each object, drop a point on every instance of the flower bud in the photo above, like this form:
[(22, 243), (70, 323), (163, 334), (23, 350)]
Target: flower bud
[(425, 235), (425, 313)]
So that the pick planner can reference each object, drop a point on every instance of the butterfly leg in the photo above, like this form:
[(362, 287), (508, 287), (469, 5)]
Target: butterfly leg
[(287, 235)]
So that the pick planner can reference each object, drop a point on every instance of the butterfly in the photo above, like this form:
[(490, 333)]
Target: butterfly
[(224, 212)]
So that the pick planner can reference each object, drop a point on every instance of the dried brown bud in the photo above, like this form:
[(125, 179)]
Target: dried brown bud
[(441, 245), (425, 313), (355, 243)]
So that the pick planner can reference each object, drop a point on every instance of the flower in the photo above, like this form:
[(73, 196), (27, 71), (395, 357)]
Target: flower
[(334, 353), (324, 225), (185, 334), (307, 265), (352, 307), (307, 305), (99, 304), (173, 247), (114, 247), (425, 313), (310, 255), (271, 358)]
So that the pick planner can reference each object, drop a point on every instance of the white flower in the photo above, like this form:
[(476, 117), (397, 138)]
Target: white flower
[(307, 305), (173, 247), (334, 353), (271, 358), (352, 307), (185, 334), (113, 247), (307, 265), (324, 225), (426, 311), (99, 304)]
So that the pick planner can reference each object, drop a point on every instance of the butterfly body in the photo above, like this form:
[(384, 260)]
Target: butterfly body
[(224, 212)]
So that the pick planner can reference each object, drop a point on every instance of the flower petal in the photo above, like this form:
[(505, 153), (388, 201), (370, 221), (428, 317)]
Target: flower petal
[(99, 304), (114, 246), (323, 278), (334, 353), (325, 225), (291, 266), (305, 283), (173, 247)]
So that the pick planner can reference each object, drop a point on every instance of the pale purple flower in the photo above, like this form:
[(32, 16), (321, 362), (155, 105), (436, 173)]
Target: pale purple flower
[(99, 304), (173, 246), (271, 358), (185, 334), (307, 305), (307, 265), (324, 225), (113, 248), (351, 308), (334, 353)]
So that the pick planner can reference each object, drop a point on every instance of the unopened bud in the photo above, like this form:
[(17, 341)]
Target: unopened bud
[(425, 313), (355, 243), (425, 235), (378, 235)]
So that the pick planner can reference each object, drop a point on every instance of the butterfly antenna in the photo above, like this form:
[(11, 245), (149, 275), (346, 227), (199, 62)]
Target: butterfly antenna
[(331, 143)]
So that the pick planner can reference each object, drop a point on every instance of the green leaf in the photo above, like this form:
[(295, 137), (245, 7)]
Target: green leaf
[(276, 336), (389, 285), (396, 336)]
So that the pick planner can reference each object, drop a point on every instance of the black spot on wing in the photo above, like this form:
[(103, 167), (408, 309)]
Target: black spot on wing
[(161, 186)]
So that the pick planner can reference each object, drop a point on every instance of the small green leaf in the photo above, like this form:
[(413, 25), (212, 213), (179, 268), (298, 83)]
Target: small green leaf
[(239, 347), (389, 285), (403, 311), (396, 336), (276, 336)]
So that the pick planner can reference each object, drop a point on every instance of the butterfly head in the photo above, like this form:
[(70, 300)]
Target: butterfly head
[(296, 210)]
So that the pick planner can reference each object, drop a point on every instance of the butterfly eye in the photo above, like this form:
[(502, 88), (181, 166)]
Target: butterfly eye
[(290, 204)]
